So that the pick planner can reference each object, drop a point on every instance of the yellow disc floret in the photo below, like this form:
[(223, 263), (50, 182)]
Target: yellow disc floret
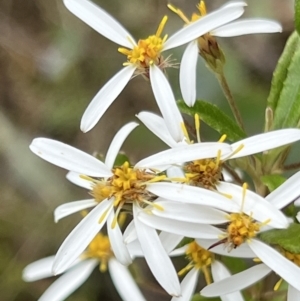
[(99, 248), (204, 173), (241, 228), (200, 259), (126, 186), (147, 51)]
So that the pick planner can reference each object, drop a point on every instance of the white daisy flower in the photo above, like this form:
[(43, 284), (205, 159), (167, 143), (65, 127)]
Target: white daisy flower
[(283, 262), (239, 238), (113, 190), (209, 48), (98, 253), (194, 217), (207, 172), (201, 260), (143, 57)]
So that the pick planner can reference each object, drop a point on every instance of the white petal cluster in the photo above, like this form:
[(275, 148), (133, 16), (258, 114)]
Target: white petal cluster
[(159, 193)]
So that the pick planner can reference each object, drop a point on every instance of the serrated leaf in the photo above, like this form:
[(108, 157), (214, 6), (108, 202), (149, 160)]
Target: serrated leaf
[(288, 239), (297, 16), (284, 98), (272, 181), (215, 118)]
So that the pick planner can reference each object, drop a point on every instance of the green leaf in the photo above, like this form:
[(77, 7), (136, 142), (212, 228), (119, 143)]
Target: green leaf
[(284, 98), (297, 16), (288, 239), (215, 118), (121, 159), (273, 181)]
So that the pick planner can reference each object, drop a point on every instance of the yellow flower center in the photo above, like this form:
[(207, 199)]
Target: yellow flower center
[(147, 51), (295, 258), (241, 228), (127, 185), (204, 173), (99, 248), (200, 259)]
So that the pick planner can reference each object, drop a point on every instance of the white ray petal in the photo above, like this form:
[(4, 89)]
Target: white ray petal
[(265, 141), (39, 269), (157, 126), (175, 172), (293, 294), (187, 73), (220, 272), (286, 269), (189, 213), (297, 202), (186, 153), (135, 249), (205, 24), (179, 251), (158, 260), (116, 241), (254, 205), (236, 282), (243, 251), (129, 233), (166, 102), (69, 282), (244, 27), (72, 207), (169, 240), (104, 98), (180, 228), (123, 281), (188, 285), (81, 236), (117, 143), (193, 195), (68, 157), (101, 21), (285, 193), (76, 179)]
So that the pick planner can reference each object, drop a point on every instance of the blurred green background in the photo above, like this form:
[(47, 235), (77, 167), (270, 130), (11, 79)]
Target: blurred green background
[(51, 65)]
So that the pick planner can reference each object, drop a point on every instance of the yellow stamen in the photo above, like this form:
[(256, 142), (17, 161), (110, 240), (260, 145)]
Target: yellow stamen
[(223, 138), (84, 177), (178, 12), (161, 26), (103, 216), (202, 8), (206, 275), (245, 186), (157, 179), (277, 285), (197, 127), (185, 133), (156, 206)]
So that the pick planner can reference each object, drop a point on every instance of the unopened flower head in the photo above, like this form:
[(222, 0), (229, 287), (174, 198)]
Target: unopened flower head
[(208, 47), (207, 44)]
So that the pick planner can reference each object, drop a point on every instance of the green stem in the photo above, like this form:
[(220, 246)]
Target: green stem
[(226, 90)]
